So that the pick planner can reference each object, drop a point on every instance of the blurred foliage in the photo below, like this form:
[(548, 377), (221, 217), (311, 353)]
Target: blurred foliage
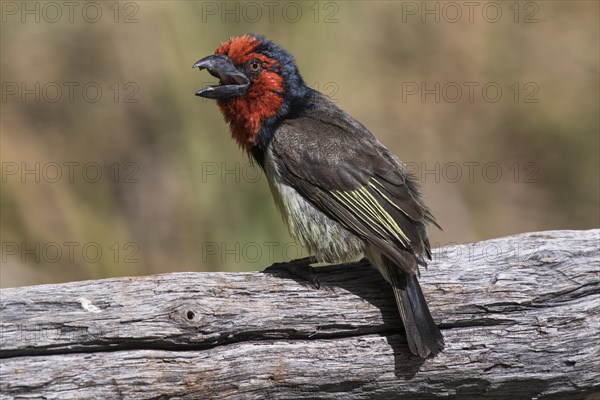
[(177, 194)]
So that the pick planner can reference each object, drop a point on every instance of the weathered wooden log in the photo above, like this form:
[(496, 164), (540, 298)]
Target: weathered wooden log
[(520, 316)]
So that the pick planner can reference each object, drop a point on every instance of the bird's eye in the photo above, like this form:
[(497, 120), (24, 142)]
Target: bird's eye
[(254, 66)]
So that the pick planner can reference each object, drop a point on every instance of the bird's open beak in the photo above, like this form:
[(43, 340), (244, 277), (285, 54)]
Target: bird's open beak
[(233, 82)]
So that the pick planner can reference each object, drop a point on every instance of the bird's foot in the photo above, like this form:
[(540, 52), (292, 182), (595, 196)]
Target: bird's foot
[(300, 268)]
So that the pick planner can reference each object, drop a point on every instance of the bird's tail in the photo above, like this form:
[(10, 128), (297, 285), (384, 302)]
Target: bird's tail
[(423, 335)]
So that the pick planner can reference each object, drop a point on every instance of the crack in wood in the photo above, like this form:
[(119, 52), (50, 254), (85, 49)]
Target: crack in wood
[(525, 328)]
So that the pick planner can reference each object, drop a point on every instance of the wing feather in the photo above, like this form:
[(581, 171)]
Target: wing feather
[(336, 164)]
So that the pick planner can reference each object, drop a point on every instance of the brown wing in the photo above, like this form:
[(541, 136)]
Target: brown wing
[(336, 164)]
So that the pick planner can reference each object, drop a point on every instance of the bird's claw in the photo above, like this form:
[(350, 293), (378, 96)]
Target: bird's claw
[(300, 268)]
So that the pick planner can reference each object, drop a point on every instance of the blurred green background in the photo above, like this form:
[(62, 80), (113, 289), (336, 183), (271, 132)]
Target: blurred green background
[(111, 166)]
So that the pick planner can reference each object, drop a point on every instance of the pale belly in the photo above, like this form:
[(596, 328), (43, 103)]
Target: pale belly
[(324, 238)]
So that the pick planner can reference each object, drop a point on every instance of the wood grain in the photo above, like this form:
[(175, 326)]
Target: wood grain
[(520, 316)]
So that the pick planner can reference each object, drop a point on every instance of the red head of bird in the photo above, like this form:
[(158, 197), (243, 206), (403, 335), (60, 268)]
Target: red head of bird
[(259, 85)]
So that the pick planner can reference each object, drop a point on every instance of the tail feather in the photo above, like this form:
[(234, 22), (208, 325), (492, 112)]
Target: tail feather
[(423, 335)]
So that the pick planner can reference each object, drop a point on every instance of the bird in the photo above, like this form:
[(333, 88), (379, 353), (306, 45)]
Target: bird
[(342, 193)]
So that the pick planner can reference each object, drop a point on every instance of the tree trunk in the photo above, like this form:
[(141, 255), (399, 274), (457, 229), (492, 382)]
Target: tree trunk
[(520, 317)]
